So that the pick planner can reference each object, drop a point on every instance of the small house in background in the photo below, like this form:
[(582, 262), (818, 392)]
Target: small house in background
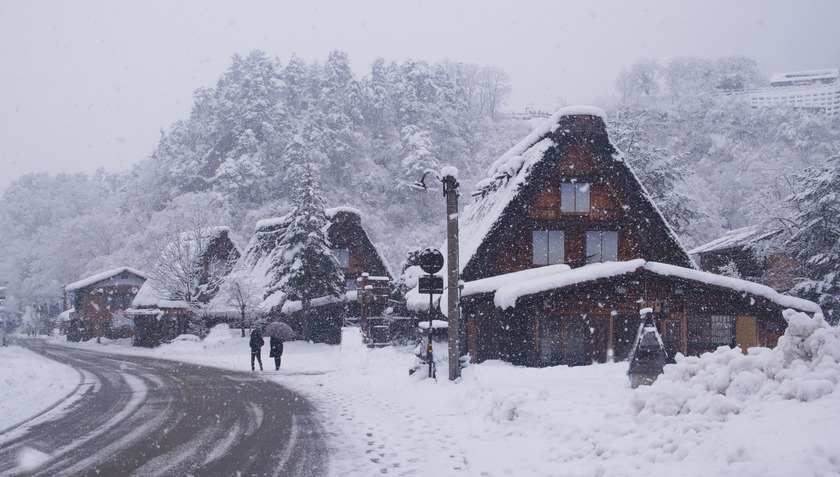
[(746, 253), (356, 255), (218, 257), (160, 314), (246, 286), (563, 246), (96, 305), (157, 320)]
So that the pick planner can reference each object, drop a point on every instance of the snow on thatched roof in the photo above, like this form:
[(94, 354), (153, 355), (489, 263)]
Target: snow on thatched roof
[(149, 297), (514, 173), (206, 237), (735, 239), (332, 212), (510, 287), (99, 277)]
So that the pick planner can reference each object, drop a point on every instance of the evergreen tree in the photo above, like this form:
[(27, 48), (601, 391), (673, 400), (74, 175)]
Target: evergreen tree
[(816, 241), (306, 267)]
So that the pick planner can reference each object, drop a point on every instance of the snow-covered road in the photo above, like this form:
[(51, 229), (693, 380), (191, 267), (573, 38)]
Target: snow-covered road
[(141, 416)]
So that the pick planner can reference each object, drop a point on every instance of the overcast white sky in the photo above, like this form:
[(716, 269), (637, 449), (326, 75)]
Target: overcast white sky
[(88, 84)]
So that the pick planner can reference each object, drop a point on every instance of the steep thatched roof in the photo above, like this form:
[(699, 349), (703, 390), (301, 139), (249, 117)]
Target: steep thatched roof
[(516, 178)]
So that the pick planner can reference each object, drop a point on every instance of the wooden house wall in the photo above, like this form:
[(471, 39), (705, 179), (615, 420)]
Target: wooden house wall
[(97, 305), (588, 322), (153, 329)]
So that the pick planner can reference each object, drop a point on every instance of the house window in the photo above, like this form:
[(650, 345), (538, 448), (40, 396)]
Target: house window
[(574, 197), (601, 246), (721, 330), (118, 300), (343, 257), (351, 284), (705, 333), (549, 246)]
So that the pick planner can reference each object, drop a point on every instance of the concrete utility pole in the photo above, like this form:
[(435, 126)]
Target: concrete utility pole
[(450, 191)]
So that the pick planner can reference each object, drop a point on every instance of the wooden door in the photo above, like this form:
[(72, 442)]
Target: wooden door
[(746, 333), (672, 337), (550, 335), (575, 341)]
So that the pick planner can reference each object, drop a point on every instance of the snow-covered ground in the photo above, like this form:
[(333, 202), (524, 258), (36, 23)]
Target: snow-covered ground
[(30, 384), (770, 413)]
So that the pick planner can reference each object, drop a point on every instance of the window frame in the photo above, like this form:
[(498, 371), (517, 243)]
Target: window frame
[(576, 194), (337, 254), (598, 257), (549, 250)]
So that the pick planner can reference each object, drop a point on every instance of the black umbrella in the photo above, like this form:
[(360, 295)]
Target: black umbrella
[(279, 330)]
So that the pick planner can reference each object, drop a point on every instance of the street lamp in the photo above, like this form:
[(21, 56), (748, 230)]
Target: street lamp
[(449, 177)]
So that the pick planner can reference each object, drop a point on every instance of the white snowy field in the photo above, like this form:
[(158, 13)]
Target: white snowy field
[(770, 413)]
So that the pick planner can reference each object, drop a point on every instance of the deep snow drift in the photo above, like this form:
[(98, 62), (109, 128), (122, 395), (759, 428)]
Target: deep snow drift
[(769, 413)]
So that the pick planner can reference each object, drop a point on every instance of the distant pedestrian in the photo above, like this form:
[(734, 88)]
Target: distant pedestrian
[(257, 342), (276, 345)]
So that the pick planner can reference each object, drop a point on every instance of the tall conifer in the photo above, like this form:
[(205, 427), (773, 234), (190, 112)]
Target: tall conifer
[(307, 268)]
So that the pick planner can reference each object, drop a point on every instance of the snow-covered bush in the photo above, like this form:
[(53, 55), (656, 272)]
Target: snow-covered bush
[(219, 334), (805, 366)]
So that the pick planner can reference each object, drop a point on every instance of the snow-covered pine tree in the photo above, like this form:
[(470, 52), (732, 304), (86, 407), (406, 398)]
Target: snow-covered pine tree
[(816, 241), (418, 154), (306, 268)]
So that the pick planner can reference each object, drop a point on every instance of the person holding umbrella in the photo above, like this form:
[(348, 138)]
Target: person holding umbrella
[(279, 332), (276, 345)]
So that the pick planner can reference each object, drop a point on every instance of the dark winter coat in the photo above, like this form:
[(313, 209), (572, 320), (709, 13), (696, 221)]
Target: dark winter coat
[(276, 348), (257, 340)]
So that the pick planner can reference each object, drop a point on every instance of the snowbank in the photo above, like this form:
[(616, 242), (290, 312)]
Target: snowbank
[(30, 383), (805, 366)]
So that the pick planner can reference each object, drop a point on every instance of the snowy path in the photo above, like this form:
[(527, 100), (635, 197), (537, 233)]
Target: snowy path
[(141, 416)]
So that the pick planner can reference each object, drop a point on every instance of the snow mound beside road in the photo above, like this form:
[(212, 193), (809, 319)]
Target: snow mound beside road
[(805, 367)]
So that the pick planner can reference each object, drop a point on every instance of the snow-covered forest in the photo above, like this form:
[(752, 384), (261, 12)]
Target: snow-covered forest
[(710, 161)]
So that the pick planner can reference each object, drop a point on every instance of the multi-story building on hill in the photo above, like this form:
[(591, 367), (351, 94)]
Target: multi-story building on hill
[(815, 89)]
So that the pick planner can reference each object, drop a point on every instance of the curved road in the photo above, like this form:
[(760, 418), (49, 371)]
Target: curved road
[(142, 416)]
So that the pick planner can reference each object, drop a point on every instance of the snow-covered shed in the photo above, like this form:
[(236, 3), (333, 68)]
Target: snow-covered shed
[(97, 303), (564, 200)]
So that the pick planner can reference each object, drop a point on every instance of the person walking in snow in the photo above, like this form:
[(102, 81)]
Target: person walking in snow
[(276, 346), (257, 342)]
